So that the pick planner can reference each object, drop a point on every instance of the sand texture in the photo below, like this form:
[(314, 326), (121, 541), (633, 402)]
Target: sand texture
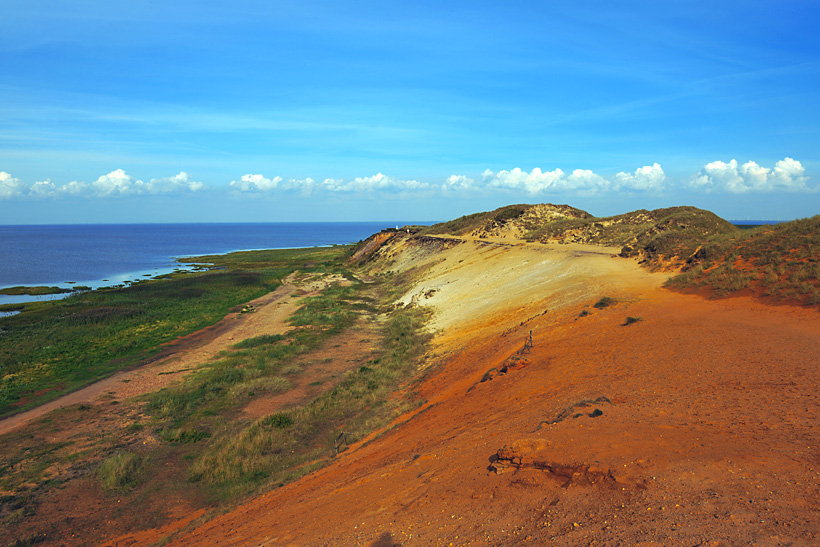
[(693, 424)]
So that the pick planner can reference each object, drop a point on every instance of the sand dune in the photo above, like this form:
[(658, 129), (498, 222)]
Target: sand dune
[(694, 425)]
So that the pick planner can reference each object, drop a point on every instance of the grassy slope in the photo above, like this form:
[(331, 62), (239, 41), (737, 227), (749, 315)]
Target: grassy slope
[(192, 441), (55, 347), (781, 262)]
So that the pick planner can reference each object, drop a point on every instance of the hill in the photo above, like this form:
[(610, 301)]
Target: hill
[(521, 376), (781, 263), (568, 399), (669, 235)]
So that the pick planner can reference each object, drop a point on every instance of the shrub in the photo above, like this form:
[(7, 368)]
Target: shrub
[(280, 420), (604, 302)]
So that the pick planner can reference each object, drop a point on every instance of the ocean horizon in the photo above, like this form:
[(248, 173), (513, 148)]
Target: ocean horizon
[(96, 255)]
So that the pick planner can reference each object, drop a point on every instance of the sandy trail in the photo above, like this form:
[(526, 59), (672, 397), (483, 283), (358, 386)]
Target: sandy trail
[(706, 433), (186, 353)]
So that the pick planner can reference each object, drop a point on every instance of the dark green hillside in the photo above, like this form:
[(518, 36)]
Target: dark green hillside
[(781, 262)]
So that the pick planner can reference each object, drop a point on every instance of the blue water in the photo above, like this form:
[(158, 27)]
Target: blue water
[(98, 255)]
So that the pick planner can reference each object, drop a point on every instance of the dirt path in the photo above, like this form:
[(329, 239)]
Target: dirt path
[(695, 425), (186, 353)]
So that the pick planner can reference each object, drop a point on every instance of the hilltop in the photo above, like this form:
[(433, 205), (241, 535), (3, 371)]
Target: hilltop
[(671, 234), (712, 256)]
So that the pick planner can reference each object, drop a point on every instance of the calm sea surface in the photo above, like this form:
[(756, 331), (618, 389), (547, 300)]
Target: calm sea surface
[(96, 255)]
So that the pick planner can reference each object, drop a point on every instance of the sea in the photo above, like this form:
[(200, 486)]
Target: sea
[(98, 255)]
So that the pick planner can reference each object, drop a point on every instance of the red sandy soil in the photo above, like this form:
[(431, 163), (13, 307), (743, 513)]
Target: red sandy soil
[(703, 430)]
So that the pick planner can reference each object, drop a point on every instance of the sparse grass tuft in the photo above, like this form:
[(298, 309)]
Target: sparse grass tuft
[(257, 341), (119, 471), (604, 302)]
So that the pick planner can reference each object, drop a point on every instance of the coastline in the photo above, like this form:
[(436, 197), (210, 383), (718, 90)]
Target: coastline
[(104, 255)]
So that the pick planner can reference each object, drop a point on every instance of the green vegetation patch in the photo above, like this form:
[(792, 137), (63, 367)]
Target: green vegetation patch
[(604, 302), (282, 446), (119, 471), (33, 291), (781, 262), (234, 455), (55, 347)]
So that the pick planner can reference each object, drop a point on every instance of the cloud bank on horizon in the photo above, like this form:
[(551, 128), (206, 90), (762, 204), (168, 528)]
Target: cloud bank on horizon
[(115, 184), (787, 175)]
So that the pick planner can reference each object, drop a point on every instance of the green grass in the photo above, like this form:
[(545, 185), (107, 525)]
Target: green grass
[(55, 347), (119, 471), (781, 262), (34, 291), (237, 456), (194, 437), (283, 446)]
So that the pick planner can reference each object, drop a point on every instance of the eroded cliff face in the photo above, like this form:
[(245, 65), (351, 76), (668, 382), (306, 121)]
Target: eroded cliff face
[(466, 279)]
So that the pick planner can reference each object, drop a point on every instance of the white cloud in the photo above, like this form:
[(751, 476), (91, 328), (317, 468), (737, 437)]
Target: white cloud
[(788, 174), (10, 187), (379, 181), (177, 183), (586, 182), (533, 182), (43, 189), (117, 183), (458, 183), (255, 183), (582, 181), (74, 188), (648, 177), (304, 186)]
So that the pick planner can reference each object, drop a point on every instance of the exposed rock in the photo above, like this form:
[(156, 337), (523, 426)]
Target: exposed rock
[(542, 455)]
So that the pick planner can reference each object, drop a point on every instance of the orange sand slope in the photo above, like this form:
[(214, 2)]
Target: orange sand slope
[(696, 425)]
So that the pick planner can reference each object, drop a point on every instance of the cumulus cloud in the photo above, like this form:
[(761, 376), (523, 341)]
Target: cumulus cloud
[(458, 182), (43, 188), (516, 179), (255, 183), (581, 181), (74, 188), (178, 183), (10, 187), (648, 177), (116, 183), (379, 181), (120, 183), (788, 174)]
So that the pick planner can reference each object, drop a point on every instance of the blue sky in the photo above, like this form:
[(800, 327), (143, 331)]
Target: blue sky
[(195, 111)]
